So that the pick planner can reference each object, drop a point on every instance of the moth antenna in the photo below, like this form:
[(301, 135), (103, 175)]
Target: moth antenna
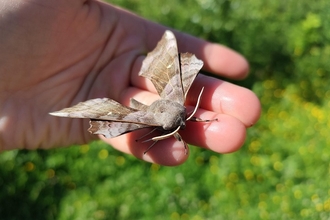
[(162, 137), (143, 136), (197, 105)]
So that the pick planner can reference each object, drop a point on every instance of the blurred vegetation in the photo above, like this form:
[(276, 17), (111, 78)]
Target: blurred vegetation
[(283, 170)]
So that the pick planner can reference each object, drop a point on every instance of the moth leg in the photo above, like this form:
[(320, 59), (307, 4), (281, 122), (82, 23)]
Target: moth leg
[(153, 144), (195, 119), (179, 138), (143, 136), (158, 138), (197, 105), (176, 135)]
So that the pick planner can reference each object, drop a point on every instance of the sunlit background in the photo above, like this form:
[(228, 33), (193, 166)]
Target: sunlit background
[(282, 171)]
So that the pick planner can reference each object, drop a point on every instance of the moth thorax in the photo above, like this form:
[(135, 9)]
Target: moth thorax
[(169, 114)]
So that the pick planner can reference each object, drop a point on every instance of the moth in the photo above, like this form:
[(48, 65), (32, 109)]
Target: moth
[(172, 75)]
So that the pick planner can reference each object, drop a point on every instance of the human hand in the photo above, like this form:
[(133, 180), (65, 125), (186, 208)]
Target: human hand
[(58, 53)]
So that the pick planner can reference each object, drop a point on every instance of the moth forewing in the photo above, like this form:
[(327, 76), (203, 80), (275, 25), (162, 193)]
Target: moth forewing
[(162, 68), (101, 108), (111, 129)]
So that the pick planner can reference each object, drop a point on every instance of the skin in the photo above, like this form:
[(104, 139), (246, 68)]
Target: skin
[(55, 54)]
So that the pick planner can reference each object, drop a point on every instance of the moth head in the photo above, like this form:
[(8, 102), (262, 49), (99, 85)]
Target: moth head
[(169, 114)]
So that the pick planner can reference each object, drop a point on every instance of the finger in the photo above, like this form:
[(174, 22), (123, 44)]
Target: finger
[(233, 66), (225, 135), (139, 81), (226, 98), (218, 96), (218, 59), (143, 96), (229, 129), (167, 152)]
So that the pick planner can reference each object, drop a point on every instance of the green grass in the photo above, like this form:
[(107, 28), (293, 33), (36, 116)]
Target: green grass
[(282, 171)]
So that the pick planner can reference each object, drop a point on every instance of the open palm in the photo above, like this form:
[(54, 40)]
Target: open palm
[(55, 54)]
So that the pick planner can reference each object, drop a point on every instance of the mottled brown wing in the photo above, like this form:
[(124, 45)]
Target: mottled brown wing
[(111, 129), (162, 68), (190, 66), (107, 109)]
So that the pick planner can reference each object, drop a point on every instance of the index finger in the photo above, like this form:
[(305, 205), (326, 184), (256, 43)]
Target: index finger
[(218, 59)]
